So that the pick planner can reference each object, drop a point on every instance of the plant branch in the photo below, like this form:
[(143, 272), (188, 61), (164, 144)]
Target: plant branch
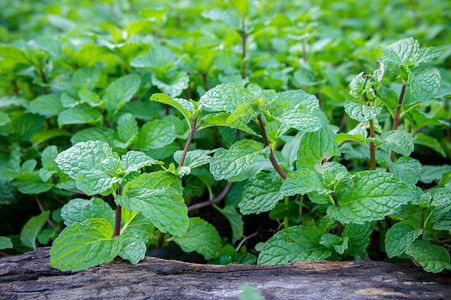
[(214, 200), (117, 223), (15, 87), (271, 154), (372, 148), (204, 78), (244, 241), (188, 142), (396, 118), (44, 80)]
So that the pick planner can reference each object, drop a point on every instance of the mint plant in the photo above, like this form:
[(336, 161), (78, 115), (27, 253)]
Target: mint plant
[(259, 144)]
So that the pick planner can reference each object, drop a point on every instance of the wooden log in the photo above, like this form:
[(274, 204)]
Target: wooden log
[(29, 276)]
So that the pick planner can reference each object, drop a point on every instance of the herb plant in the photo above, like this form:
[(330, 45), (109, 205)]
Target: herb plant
[(125, 135)]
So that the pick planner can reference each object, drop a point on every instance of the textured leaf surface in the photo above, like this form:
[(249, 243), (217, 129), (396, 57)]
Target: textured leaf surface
[(226, 97), (156, 134), (201, 237), (133, 248), (31, 229), (84, 245), (398, 141), (47, 105), (424, 85), (174, 86), (261, 193), (361, 112), (400, 236), (135, 160), (359, 238), (316, 146), (304, 181), (182, 105), (373, 196), (300, 118), (232, 162), (127, 129), (407, 169), (79, 210), (432, 258), (297, 243), (194, 158)]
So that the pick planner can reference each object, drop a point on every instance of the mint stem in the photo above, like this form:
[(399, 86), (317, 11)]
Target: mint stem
[(41, 208), (271, 154), (188, 142), (204, 78), (372, 148), (15, 87), (212, 201), (117, 223), (44, 80), (396, 119)]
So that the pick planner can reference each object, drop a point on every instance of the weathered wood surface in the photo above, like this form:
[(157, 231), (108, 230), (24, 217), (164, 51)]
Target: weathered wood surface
[(29, 276)]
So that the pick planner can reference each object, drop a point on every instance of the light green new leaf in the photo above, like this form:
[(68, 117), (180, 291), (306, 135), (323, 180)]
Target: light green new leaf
[(220, 119), (5, 243), (359, 238), (340, 244), (232, 162), (182, 105), (135, 160), (241, 116), (84, 245), (156, 134), (304, 181), (138, 224), (373, 196), (361, 112), (133, 248), (423, 86), (79, 115), (297, 243), (120, 92), (32, 228), (336, 177), (194, 158), (261, 193), (400, 236), (432, 258), (47, 105), (317, 146), (397, 140), (201, 237), (226, 97), (79, 210)]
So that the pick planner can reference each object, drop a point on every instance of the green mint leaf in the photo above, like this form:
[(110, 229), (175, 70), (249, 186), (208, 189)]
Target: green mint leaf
[(4, 119), (86, 77), (432, 173), (31, 183), (138, 224), (424, 85), (120, 92), (174, 86), (297, 243), (105, 135), (84, 245), (48, 157), (332, 241), (159, 59), (79, 115), (359, 238), (194, 158), (317, 146), (299, 118), (155, 134), (261, 193), (230, 18), (127, 129), (241, 116), (135, 160), (373, 196), (407, 169), (239, 157), (220, 119), (79, 210), (90, 98), (432, 258), (133, 248), (297, 98), (304, 181), (336, 177), (357, 86), (226, 97), (201, 237), (47, 105), (5, 243), (31, 229), (185, 107), (400, 236), (249, 293), (159, 198), (361, 112), (397, 140)]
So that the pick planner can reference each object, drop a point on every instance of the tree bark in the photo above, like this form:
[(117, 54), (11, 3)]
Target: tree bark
[(29, 276)]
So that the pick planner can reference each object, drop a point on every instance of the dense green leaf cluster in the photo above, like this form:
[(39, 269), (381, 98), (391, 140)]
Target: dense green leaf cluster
[(121, 120)]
